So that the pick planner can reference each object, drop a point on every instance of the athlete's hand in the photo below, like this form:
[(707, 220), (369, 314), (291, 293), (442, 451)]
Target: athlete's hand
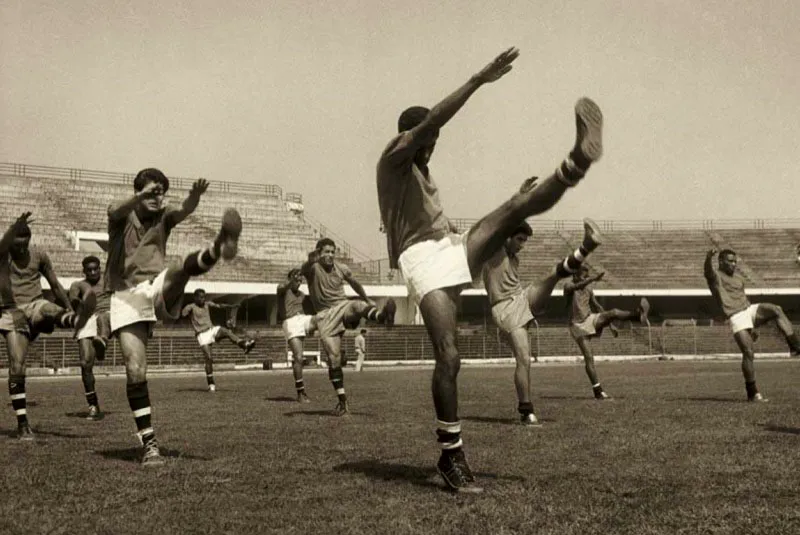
[(712, 251), (21, 221), (600, 276), (199, 187), (499, 67)]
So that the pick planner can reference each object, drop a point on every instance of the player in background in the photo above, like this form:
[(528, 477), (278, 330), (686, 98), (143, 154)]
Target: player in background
[(360, 344), (94, 337), (208, 334), (588, 318), (727, 287), (296, 326)]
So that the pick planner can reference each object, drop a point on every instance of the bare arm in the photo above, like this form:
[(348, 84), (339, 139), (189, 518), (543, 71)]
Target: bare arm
[(356, 286), (595, 304), (190, 203), (119, 211), (186, 310), (305, 267), (440, 114), (708, 267), (46, 269), (11, 233), (75, 294), (221, 306)]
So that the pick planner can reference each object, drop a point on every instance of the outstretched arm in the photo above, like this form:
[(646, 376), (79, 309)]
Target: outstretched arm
[(571, 287), (440, 114), (119, 211), (708, 266), (186, 310), (13, 230), (221, 306), (46, 269), (190, 203)]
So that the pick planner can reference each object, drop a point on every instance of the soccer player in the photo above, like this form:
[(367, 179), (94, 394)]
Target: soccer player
[(335, 312), (24, 313), (436, 261), (588, 318), (361, 349), (144, 290), (296, 325), (513, 307), (207, 333), (94, 337), (727, 287)]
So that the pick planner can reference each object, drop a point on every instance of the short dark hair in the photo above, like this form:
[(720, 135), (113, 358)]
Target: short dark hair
[(725, 252), (523, 228), (363, 331), (199, 291), (24, 231), (412, 117), (91, 259), (325, 241), (151, 174)]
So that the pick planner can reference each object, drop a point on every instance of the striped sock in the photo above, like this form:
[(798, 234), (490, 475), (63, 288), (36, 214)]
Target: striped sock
[(16, 388), (525, 408), (91, 399), (139, 401), (336, 375), (200, 262), (750, 386), (569, 173), (449, 434), (300, 386), (67, 320), (572, 263), (373, 314)]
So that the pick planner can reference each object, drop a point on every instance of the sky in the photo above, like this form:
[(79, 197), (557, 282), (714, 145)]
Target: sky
[(701, 98)]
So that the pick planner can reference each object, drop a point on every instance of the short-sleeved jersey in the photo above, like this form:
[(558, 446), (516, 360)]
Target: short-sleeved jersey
[(6, 293), (201, 316), (137, 250), (728, 291), (501, 277), (326, 288), (80, 288), (411, 211), (360, 343), (290, 304), (580, 304), (26, 276)]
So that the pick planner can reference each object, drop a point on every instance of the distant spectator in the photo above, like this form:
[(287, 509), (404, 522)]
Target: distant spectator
[(361, 349), (798, 254)]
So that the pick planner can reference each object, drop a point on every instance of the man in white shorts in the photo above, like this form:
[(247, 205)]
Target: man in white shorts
[(514, 306), (360, 345), (207, 333), (588, 318), (144, 288), (94, 337), (727, 287), (436, 261), (296, 325)]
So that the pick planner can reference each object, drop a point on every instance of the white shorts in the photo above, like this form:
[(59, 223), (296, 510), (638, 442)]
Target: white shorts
[(743, 320), (89, 330), (142, 303), (584, 328), (432, 265), (511, 314), (208, 337), (297, 326)]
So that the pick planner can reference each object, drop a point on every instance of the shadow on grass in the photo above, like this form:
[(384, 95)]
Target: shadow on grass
[(717, 399), (508, 421), (195, 389), (41, 434), (329, 413), (421, 476), (782, 429), (578, 398), (282, 399), (135, 454), (84, 414)]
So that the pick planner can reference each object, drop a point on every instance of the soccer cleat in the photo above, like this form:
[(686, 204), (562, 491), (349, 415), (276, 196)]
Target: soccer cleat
[(388, 312), (99, 346), (152, 455), (248, 346), (601, 396), (229, 233), (212, 388), (794, 353), (644, 310), (758, 398), (592, 237), (303, 398), (341, 409), (529, 420), (25, 433), (84, 311), (95, 414), (455, 471), (589, 136)]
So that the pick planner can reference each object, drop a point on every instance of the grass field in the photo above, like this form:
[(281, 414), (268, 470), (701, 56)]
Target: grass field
[(677, 451)]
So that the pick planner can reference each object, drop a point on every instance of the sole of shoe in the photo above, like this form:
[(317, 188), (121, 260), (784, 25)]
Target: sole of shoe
[(229, 233), (589, 121), (592, 231)]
